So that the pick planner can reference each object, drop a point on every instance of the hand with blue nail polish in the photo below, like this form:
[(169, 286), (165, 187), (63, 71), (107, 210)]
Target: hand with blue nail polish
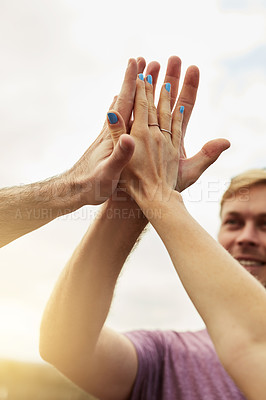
[(97, 173), (190, 169), (91, 180)]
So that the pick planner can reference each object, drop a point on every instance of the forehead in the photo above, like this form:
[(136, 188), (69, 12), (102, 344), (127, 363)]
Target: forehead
[(247, 201)]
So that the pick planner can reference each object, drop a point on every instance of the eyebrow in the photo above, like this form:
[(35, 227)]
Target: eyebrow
[(238, 214)]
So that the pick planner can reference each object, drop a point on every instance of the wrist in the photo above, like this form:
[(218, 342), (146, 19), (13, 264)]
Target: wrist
[(65, 195), (157, 201), (121, 206)]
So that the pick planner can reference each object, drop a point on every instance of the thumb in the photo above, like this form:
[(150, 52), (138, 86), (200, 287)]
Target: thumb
[(209, 153), (197, 164), (116, 125), (123, 143), (121, 155)]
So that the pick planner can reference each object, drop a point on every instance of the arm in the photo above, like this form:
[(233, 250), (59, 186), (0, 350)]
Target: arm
[(90, 181), (73, 336), (231, 302)]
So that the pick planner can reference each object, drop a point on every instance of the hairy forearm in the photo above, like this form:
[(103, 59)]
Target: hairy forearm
[(80, 302), (28, 207)]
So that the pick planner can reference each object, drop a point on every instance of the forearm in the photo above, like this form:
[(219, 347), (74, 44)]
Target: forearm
[(28, 207), (80, 302), (222, 291)]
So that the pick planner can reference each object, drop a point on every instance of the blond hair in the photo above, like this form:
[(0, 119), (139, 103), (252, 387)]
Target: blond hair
[(244, 181)]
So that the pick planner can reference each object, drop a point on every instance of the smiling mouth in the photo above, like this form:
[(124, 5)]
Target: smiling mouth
[(251, 263)]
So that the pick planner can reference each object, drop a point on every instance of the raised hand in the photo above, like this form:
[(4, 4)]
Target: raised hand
[(96, 174), (154, 166), (190, 169)]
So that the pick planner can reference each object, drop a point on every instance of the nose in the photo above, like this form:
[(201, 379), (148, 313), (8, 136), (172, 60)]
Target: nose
[(248, 235)]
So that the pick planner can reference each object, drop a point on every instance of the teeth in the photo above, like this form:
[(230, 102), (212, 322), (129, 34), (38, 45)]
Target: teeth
[(250, 262)]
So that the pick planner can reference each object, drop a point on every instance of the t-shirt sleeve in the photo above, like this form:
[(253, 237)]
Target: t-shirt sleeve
[(150, 353), (179, 365)]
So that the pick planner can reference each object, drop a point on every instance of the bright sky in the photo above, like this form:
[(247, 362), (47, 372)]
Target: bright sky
[(62, 62)]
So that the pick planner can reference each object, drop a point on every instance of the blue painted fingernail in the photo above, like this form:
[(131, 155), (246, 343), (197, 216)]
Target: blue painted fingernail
[(181, 109), (141, 77), (149, 79), (168, 87), (112, 118)]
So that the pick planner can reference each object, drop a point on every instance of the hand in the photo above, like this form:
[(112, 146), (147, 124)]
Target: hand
[(96, 173), (95, 176), (154, 166), (189, 169)]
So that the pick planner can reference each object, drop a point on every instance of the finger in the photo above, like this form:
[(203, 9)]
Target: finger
[(121, 155), (197, 164), (172, 76), (123, 143), (125, 100), (152, 112), (141, 64), (164, 108), (116, 125), (188, 95), (153, 69), (177, 127), (141, 103), (104, 132), (113, 102)]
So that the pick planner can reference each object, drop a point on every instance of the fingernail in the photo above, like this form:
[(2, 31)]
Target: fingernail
[(149, 79), (181, 109), (168, 87), (112, 118), (141, 77)]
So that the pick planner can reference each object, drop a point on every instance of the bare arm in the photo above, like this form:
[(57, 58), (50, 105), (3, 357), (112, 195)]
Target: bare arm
[(73, 338), (91, 180), (26, 208), (73, 335), (231, 302)]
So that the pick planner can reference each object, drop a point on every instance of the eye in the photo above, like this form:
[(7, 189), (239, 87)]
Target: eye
[(232, 223), (263, 224)]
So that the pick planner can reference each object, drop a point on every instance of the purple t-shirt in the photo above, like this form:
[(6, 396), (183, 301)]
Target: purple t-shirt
[(179, 366)]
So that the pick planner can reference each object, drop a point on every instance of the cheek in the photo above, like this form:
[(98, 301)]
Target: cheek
[(226, 239), (263, 241)]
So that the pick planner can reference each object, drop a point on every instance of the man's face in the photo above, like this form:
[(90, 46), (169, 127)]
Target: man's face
[(243, 230)]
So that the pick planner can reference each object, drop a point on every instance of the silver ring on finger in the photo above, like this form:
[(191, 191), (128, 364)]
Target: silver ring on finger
[(154, 125), (166, 130)]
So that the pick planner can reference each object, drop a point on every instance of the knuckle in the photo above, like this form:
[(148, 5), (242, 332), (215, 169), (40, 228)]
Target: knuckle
[(152, 109), (149, 88), (166, 114), (184, 101), (142, 103), (122, 103)]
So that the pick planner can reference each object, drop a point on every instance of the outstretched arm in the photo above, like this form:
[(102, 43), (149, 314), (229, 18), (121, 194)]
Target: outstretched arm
[(73, 336), (90, 181), (231, 302)]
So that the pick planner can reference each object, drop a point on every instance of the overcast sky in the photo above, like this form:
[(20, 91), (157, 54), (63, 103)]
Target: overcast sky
[(62, 61)]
